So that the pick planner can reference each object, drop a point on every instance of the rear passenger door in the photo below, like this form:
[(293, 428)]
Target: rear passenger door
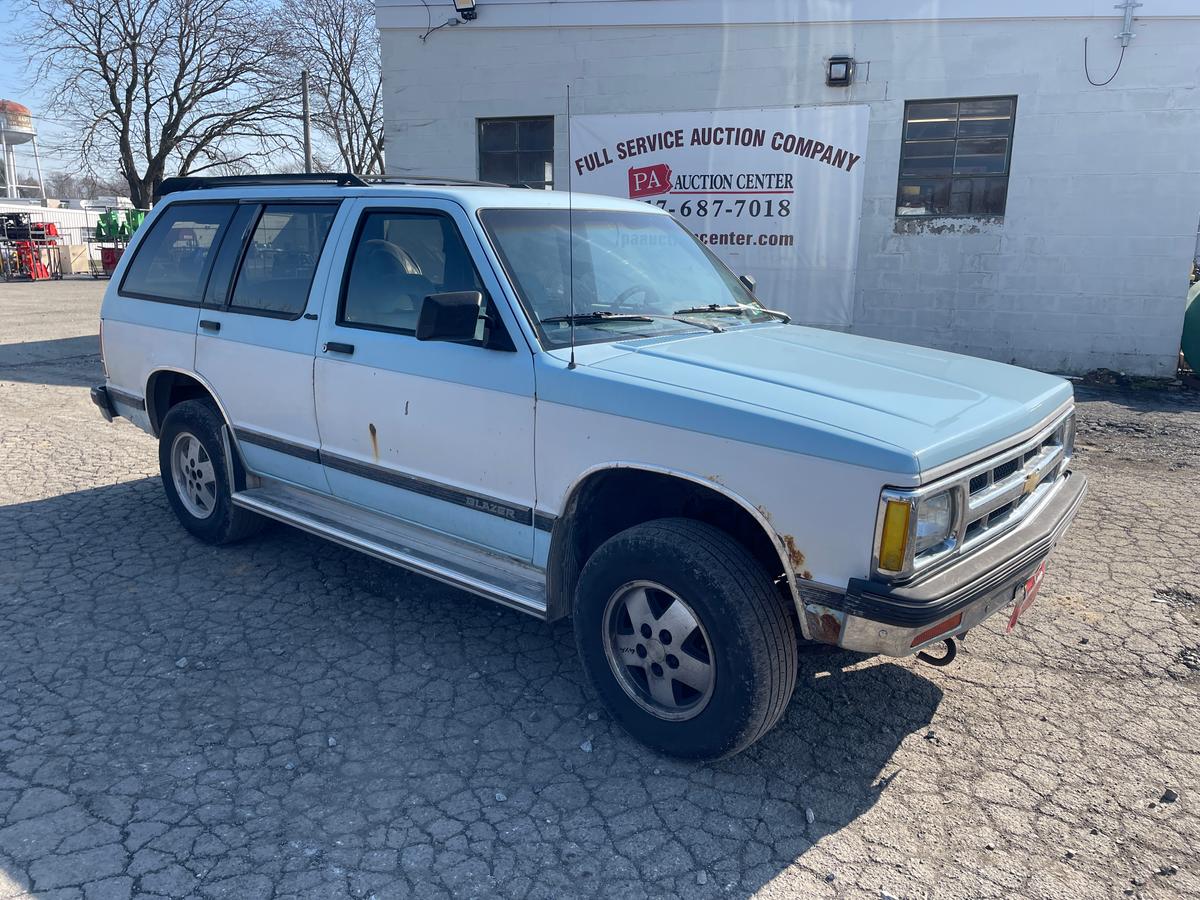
[(435, 433), (257, 332)]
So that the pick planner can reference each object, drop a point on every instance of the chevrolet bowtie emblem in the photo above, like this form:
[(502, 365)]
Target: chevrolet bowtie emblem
[(1032, 480)]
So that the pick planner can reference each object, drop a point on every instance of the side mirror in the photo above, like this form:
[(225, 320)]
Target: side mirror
[(748, 282), (451, 316)]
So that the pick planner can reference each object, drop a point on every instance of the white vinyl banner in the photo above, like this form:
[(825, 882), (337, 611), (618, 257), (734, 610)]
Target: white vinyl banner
[(776, 193)]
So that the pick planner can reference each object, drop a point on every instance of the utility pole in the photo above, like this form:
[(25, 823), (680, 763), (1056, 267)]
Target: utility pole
[(307, 121)]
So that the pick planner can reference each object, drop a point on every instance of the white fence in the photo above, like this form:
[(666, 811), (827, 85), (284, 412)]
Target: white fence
[(75, 226)]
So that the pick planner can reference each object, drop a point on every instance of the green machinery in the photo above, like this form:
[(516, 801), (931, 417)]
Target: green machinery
[(118, 225)]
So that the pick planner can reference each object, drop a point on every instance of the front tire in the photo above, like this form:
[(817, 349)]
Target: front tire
[(191, 458), (685, 638)]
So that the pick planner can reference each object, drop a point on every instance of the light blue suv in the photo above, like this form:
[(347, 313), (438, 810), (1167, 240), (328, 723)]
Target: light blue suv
[(572, 408)]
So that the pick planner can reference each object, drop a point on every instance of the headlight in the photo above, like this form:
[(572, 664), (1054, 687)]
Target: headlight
[(935, 518), (910, 524)]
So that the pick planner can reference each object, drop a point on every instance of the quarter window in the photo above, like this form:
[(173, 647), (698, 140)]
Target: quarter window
[(954, 157), (171, 262), (399, 259), (229, 254), (517, 152), (277, 268)]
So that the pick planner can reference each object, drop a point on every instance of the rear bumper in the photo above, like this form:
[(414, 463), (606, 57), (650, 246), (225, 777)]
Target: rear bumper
[(104, 402), (897, 620), (113, 402)]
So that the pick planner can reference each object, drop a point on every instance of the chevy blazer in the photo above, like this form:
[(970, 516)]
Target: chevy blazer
[(569, 406)]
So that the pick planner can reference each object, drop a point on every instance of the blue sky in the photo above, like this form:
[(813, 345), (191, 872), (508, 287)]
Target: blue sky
[(14, 85)]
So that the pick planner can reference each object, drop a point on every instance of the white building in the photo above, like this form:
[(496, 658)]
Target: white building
[(1071, 233)]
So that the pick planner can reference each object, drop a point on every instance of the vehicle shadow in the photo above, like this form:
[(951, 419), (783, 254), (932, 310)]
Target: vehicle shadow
[(65, 361), (296, 715)]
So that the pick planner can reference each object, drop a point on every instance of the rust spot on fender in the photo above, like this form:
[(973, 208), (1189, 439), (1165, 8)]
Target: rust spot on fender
[(374, 440), (795, 556)]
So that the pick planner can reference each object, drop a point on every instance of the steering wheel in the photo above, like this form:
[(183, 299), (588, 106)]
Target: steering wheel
[(622, 298)]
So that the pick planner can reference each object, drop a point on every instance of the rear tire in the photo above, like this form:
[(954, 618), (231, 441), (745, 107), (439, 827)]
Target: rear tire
[(191, 458), (685, 638)]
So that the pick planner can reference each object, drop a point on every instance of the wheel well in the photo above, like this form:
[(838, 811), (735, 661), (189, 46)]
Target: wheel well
[(611, 500), (166, 389)]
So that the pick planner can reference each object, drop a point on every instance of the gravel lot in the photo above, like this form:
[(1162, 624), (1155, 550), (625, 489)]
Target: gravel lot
[(285, 718)]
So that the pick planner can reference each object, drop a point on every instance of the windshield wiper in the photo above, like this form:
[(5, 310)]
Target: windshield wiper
[(736, 310), (600, 315), (608, 315)]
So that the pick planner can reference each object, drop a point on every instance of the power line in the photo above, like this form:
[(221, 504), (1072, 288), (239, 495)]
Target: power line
[(1120, 59)]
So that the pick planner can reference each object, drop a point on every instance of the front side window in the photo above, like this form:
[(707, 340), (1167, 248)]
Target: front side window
[(517, 152), (281, 258), (400, 258), (954, 157), (635, 275), (171, 262)]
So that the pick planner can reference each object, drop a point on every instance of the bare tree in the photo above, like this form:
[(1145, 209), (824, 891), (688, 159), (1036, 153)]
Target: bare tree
[(162, 86), (336, 40), (85, 185)]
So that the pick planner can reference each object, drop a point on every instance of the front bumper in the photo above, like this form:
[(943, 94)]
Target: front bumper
[(898, 620)]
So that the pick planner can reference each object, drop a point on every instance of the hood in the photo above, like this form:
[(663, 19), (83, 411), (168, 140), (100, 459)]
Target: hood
[(927, 406)]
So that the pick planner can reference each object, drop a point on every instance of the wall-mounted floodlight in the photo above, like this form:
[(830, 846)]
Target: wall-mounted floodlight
[(466, 9), (839, 71)]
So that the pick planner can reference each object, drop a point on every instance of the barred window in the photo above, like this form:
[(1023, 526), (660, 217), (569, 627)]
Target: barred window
[(517, 152), (954, 157)]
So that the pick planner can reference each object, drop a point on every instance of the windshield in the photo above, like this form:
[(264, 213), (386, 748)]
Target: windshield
[(635, 275)]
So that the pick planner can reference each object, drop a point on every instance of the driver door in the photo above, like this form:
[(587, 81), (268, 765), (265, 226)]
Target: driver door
[(434, 433)]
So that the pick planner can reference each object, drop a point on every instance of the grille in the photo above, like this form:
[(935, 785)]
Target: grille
[(996, 494)]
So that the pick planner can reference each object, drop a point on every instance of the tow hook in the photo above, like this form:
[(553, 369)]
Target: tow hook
[(945, 659)]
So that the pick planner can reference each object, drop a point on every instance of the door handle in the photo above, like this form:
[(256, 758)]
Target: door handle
[(335, 347), (210, 325)]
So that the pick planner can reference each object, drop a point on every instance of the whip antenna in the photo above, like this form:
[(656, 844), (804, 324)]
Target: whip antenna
[(570, 232)]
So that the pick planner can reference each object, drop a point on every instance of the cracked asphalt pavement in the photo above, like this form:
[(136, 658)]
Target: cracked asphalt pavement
[(286, 718)]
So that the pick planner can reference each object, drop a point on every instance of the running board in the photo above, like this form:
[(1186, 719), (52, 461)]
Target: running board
[(508, 581)]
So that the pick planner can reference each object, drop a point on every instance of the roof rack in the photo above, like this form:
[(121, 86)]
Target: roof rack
[(198, 182), (341, 179), (426, 179)]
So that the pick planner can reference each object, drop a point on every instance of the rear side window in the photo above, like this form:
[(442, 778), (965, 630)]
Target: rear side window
[(279, 262), (398, 259), (172, 260)]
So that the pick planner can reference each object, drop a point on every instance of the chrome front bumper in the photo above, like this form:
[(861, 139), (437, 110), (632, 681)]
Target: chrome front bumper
[(899, 620)]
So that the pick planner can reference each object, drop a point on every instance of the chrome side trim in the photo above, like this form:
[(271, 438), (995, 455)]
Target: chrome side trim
[(513, 584), (492, 506), (131, 400), (267, 442)]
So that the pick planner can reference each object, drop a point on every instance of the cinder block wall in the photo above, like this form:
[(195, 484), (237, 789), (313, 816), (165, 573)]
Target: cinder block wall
[(1087, 269)]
